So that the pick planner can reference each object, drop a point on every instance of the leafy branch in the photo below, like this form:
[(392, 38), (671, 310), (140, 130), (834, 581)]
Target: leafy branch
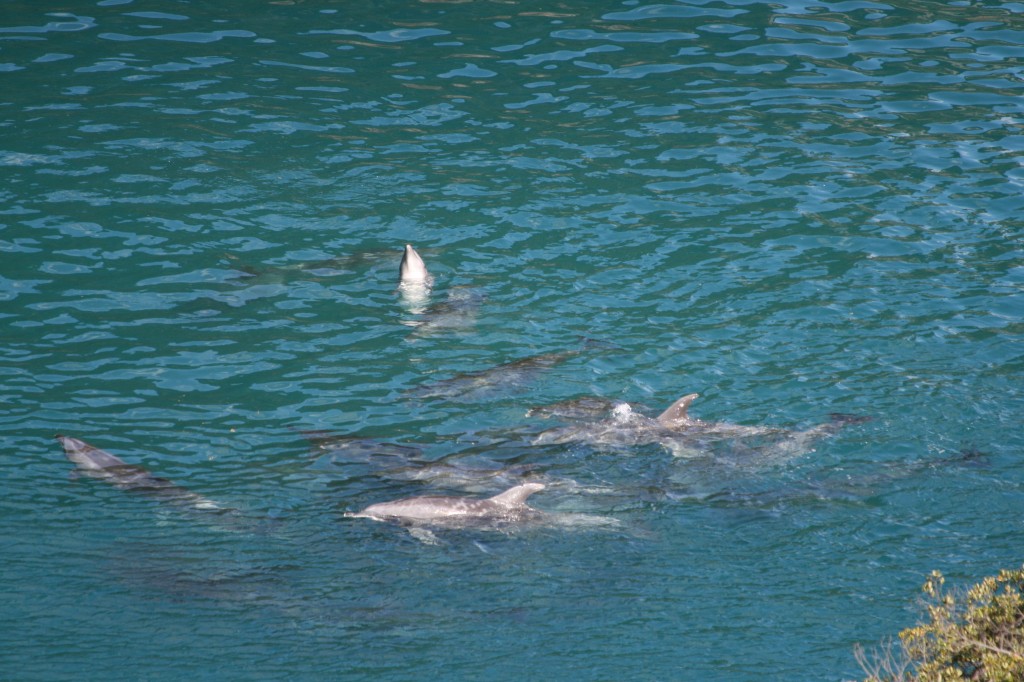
[(972, 635)]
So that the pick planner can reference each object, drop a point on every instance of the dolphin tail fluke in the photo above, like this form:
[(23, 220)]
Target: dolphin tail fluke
[(677, 412), (517, 495)]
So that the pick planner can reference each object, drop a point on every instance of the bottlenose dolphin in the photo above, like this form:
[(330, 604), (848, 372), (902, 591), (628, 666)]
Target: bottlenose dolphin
[(347, 449), (509, 506), (412, 269), (395, 462), (687, 436), (503, 512), (476, 476), (505, 378), (101, 464), (481, 384), (414, 282), (415, 285)]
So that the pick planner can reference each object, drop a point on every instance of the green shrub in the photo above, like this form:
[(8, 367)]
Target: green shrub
[(977, 635)]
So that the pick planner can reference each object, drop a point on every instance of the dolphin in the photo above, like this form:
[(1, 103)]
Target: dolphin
[(348, 449), (414, 282), (502, 512), (509, 377), (455, 473), (412, 269), (482, 384), (687, 436), (98, 463), (509, 506), (465, 469)]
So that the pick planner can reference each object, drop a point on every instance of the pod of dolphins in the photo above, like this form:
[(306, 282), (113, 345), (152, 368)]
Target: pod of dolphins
[(595, 421)]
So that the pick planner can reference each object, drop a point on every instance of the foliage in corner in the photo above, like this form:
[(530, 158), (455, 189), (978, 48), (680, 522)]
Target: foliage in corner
[(977, 635)]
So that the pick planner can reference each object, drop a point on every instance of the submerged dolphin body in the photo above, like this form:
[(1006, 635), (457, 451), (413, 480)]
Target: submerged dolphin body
[(509, 377), (687, 436), (476, 476), (415, 285), (332, 448), (506, 378), (395, 462), (101, 464), (457, 312)]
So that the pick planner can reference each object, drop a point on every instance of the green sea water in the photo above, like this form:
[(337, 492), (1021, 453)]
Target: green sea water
[(793, 208)]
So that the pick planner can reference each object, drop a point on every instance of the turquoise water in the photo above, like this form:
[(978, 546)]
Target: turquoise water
[(794, 209)]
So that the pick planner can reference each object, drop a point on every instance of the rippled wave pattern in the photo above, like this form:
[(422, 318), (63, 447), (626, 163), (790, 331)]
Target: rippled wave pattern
[(793, 208)]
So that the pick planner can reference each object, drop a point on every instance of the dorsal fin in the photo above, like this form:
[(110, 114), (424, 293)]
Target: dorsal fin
[(516, 496), (677, 412)]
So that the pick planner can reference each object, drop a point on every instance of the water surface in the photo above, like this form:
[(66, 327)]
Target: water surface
[(793, 209)]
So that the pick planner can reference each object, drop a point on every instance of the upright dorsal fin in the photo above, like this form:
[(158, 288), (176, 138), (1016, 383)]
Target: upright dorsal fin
[(516, 496), (677, 412)]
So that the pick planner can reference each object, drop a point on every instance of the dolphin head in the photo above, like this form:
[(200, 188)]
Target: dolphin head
[(86, 456), (412, 270)]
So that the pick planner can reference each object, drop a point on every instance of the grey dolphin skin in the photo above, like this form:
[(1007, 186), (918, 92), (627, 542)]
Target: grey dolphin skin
[(508, 506), (412, 269), (98, 463), (686, 436), (508, 377), (415, 286), (504, 512), (676, 418), (414, 282)]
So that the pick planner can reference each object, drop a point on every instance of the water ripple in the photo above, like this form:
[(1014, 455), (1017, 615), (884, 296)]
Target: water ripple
[(793, 209)]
